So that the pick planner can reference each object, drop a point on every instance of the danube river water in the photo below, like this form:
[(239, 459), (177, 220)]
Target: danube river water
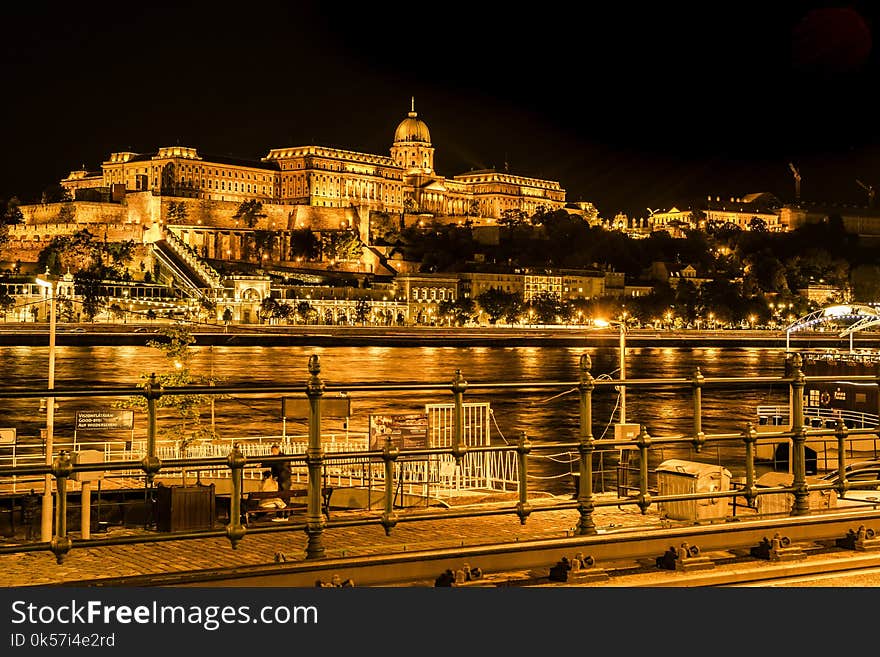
[(545, 415)]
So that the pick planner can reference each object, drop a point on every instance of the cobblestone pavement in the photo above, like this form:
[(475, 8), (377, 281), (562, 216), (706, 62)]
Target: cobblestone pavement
[(91, 563)]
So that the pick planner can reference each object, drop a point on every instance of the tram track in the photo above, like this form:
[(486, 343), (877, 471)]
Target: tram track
[(627, 557)]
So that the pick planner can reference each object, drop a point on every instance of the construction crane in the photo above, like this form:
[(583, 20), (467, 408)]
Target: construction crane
[(870, 190), (797, 181)]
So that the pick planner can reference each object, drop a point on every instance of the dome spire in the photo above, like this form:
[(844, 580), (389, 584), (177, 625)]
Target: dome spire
[(412, 110)]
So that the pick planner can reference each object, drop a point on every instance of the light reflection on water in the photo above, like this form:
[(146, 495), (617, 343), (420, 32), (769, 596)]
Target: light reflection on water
[(543, 414)]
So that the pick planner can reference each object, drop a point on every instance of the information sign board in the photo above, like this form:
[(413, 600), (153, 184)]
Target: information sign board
[(105, 420), (407, 431)]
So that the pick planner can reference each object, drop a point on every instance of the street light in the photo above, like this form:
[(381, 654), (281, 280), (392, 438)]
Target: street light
[(46, 517), (603, 323)]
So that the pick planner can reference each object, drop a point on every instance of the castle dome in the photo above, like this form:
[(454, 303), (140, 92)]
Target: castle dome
[(412, 128)]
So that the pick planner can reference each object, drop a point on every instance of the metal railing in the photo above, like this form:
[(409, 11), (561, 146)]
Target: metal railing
[(313, 460)]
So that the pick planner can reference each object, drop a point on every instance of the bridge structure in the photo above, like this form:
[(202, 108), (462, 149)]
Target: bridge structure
[(645, 496)]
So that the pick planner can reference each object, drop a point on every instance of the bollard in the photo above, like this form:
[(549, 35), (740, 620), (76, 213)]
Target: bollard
[(643, 440), (459, 448), (390, 452), (586, 524), (85, 516), (801, 505), (315, 460), (235, 531), (150, 463), (60, 544), (699, 437), (523, 447), (750, 437), (841, 434)]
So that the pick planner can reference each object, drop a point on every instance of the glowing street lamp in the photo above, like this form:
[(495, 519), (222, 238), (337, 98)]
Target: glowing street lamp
[(603, 323), (46, 515)]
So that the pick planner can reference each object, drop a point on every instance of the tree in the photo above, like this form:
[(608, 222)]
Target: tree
[(13, 215), (409, 205), (250, 212), (697, 218), (151, 314), (510, 218), (460, 311), (343, 245), (7, 302), (184, 427), (227, 315), (177, 212), (497, 303), (304, 245), (56, 193), (282, 311), (10, 215), (268, 308), (362, 310), (264, 243), (866, 282), (547, 307), (208, 306), (304, 309), (758, 225), (384, 227)]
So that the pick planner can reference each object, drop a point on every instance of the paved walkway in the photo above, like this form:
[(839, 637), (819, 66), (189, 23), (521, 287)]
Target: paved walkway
[(85, 564)]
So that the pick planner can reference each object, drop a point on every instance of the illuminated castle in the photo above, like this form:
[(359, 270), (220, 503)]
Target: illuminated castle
[(319, 176)]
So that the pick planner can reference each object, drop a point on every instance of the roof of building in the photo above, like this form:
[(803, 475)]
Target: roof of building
[(210, 158), (412, 128)]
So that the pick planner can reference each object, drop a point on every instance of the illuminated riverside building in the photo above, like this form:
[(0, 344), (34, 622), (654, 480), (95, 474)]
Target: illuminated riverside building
[(321, 177), (738, 211)]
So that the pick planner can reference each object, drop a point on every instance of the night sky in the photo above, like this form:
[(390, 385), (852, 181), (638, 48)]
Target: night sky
[(627, 106)]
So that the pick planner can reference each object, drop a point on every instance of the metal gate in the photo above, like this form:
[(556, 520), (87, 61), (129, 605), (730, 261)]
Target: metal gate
[(475, 421)]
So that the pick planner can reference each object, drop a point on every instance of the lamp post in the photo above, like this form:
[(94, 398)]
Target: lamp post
[(46, 517), (622, 362)]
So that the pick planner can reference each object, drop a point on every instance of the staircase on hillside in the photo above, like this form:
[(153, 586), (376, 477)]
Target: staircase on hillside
[(183, 269)]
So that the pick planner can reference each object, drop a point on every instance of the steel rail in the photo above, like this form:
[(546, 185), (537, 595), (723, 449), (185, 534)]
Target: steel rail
[(612, 549)]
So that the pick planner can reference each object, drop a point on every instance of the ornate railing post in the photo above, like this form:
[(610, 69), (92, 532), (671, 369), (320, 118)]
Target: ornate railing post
[(459, 448), (235, 531), (315, 461), (586, 525), (390, 452), (798, 456), (750, 437), (699, 437), (523, 508), (841, 434), (151, 464), (60, 544), (643, 440)]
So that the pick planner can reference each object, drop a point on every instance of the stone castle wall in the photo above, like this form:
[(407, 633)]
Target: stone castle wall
[(75, 211), (141, 216), (27, 240)]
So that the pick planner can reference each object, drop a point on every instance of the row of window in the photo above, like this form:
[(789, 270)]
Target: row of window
[(432, 294)]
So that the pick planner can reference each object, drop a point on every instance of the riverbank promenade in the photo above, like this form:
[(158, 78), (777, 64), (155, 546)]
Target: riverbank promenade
[(36, 334), (103, 565)]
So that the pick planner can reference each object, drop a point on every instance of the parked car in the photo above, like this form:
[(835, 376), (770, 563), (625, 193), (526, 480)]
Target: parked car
[(140, 329)]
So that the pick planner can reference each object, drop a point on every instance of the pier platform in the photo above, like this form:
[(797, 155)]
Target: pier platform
[(90, 565)]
